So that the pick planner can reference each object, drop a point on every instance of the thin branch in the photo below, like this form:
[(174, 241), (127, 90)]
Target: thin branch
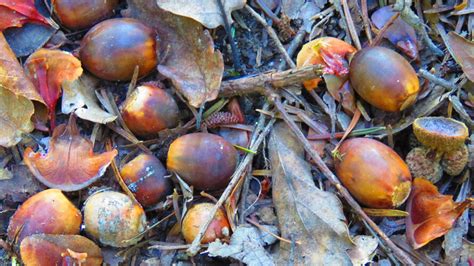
[(350, 25)]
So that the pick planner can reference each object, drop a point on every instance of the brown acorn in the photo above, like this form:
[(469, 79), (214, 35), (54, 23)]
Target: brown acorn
[(197, 215), (205, 161), (113, 48), (148, 110), (81, 14), (47, 212), (384, 78), (145, 177), (374, 173)]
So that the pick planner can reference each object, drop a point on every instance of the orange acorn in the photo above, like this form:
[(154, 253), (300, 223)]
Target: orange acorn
[(197, 215)]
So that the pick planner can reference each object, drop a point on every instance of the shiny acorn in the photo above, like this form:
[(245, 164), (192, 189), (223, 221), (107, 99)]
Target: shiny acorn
[(374, 173), (197, 215), (145, 177), (384, 79), (113, 48), (82, 14), (205, 161), (148, 110)]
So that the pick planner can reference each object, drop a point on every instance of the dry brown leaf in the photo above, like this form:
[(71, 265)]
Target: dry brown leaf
[(191, 62), (15, 117), (79, 97), (305, 213), (206, 12), (70, 163), (462, 51)]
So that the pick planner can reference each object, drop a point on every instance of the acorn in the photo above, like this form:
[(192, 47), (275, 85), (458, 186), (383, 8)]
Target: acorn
[(145, 177), (454, 162), (374, 173), (47, 212), (440, 133), (113, 48), (384, 78), (423, 163), (205, 161), (82, 14), (113, 219), (148, 110), (197, 215)]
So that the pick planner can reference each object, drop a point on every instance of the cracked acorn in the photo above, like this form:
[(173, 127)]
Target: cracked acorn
[(219, 228), (443, 148)]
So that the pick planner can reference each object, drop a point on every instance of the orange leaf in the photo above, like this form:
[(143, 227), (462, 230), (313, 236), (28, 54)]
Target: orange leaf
[(431, 214), (15, 13), (48, 69), (44, 249), (330, 52), (70, 163)]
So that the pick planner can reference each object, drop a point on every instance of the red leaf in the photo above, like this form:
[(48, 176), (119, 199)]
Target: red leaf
[(399, 33), (48, 69), (15, 13), (431, 214), (70, 163)]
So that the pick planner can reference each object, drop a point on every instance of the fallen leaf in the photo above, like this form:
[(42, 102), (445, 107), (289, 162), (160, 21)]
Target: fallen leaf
[(431, 214), (12, 76), (205, 12), (246, 245), (305, 213), (5, 174), (29, 38), (364, 250), (399, 33), (191, 62), (44, 249), (341, 90), (79, 97), (462, 51), (15, 117), (21, 186), (330, 52), (15, 13), (48, 69), (70, 163)]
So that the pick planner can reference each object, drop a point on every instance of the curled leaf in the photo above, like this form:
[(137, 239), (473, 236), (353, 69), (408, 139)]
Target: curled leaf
[(330, 52), (431, 214), (44, 249), (399, 33), (70, 163), (15, 13), (205, 12), (462, 51), (48, 69), (192, 63)]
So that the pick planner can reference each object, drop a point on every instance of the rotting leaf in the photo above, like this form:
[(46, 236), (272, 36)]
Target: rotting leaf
[(15, 13), (15, 117), (462, 51), (29, 38), (246, 245), (399, 33), (431, 214), (79, 97), (48, 69), (21, 186), (70, 163), (305, 213), (44, 249), (341, 90), (191, 62), (205, 12), (364, 249)]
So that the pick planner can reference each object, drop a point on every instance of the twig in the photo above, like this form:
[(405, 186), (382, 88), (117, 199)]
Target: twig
[(272, 34), (436, 80), (261, 227), (256, 84), (335, 181), (365, 19), (350, 25), (295, 44), (403, 6), (230, 38), (171, 246), (195, 246)]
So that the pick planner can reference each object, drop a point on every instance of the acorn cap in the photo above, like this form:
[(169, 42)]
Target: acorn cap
[(422, 163), (453, 162), (440, 133)]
